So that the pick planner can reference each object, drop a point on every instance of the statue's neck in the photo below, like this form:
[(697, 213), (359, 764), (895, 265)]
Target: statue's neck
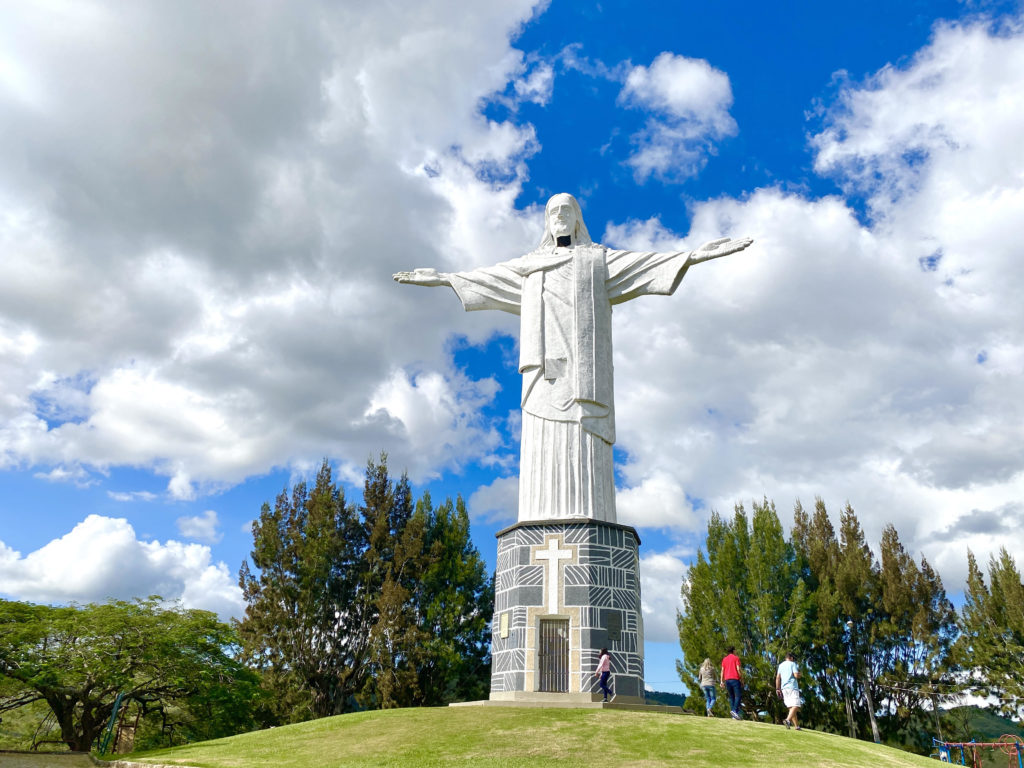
[(563, 241)]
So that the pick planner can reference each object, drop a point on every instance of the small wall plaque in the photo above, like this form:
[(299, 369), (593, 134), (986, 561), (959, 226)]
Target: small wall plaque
[(503, 631), (614, 627)]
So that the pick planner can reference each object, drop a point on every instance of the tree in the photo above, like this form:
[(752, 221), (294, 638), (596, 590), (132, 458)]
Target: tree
[(80, 658), (992, 641), (915, 629), (747, 593), (713, 594), (874, 639), (817, 554), (882, 632), (395, 559), (832, 570), (777, 609), (307, 622), (859, 590), (456, 601), (430, 638), (383, 605)]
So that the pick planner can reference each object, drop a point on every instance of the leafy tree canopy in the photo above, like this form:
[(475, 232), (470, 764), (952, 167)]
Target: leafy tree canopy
[(79, 658), (873, 638), (378, 605)]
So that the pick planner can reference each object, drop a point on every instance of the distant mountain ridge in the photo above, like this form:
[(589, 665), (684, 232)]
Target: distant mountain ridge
[(666, 698)]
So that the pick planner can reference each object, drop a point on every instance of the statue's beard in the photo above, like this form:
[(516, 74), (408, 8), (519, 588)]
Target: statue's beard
[(563, 241)]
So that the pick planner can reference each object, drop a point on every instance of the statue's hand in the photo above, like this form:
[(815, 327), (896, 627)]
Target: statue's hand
[(714, 249), (422, 276)]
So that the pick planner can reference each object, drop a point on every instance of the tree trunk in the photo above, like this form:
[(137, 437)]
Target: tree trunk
[(871, 711), (938, 721), (65, 716), (849, 712), (79, 737)]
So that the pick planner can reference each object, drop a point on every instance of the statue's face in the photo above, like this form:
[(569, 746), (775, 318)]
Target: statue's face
[(561, 219)]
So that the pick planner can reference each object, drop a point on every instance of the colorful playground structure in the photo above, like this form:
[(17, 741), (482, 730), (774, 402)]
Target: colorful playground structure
[(949, 751)]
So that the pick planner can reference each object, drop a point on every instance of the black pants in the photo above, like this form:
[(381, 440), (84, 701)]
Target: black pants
[(604, 684), (734, 688)]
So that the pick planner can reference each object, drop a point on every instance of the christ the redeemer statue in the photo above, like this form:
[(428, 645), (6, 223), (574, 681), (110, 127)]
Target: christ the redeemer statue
[(564, 292)]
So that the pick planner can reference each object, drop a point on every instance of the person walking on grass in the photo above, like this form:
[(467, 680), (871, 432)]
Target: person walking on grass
[(788, 688), (732, 679), (604, 671), (708, 678)]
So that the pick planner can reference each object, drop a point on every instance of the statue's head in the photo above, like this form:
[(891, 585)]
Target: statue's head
[(563, 217)]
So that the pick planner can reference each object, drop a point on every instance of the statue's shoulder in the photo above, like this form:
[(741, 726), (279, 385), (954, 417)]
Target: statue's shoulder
[(540, 259), (519, 265)]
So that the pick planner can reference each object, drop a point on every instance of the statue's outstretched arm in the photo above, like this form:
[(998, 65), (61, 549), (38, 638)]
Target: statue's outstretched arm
[(715, 249), (422, 276)]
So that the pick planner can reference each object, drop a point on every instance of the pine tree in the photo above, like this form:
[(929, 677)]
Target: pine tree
[(699, 623), (714, 595), (747, 592), (825, 687), (456, 599), (395, 558), (383, 605), (859, 589), (777, 607), (305, 626), (874, 639), (916, 627), (992, 639)]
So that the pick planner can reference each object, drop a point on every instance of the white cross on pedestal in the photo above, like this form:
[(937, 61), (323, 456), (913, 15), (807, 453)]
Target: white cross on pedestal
[(552, 554)]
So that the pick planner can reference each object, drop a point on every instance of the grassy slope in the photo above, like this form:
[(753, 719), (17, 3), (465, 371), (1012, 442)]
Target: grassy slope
[(508, 737)]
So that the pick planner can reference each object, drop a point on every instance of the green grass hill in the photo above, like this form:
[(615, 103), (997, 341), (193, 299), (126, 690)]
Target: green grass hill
[(526, 738)]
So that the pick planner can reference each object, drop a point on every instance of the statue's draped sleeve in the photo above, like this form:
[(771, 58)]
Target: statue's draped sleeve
[(640, 273), (629, 274), (497, 287)]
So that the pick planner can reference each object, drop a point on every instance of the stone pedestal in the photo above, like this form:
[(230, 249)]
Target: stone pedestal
[(564, 589)]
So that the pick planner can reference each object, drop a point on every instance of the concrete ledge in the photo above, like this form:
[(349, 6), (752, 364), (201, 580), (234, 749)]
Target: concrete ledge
[(569, 521), (568, 701), (16, 759), (31, 759)]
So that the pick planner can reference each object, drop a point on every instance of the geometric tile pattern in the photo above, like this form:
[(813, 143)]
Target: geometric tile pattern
[(598, 586)]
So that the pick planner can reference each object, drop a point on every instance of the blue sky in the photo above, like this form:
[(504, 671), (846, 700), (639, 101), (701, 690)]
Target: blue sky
[(201, 208)]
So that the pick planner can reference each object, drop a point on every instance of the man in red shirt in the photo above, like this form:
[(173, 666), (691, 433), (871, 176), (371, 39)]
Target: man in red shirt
[(732, 677)]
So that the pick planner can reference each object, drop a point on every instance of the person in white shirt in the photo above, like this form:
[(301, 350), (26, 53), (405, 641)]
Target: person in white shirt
[(788, 688)]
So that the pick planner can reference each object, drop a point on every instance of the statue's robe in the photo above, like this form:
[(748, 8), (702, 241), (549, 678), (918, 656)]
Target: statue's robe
[(564, 297)]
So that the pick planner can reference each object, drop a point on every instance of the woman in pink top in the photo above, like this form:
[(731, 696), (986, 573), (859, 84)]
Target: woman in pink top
[(604, 670)]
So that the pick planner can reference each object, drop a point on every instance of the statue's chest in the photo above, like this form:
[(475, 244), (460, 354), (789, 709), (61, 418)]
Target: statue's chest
[(582, 277)]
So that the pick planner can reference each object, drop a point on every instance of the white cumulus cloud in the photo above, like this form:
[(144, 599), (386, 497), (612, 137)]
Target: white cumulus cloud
[(689, 101), (202, 527), (496, 501), (102, 558), (657, 501), (538, 85), (661, 578), (201, 208), (434, 416)]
